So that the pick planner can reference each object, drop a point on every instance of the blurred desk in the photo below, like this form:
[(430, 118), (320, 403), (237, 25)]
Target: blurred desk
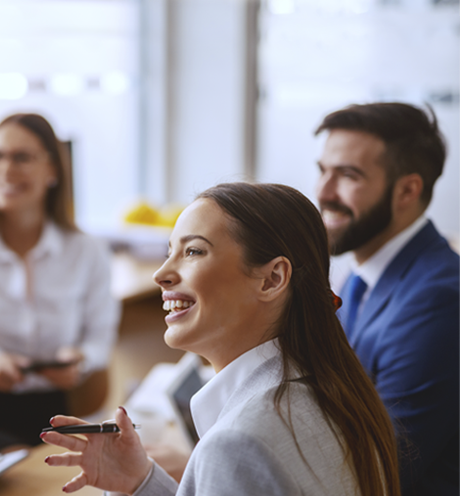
[(133, 278), (33, 477)]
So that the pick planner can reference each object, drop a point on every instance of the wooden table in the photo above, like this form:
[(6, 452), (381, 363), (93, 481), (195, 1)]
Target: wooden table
[(33, 477)]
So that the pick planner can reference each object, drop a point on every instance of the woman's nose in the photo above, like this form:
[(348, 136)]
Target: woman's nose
[(166, 276), (7, 167)]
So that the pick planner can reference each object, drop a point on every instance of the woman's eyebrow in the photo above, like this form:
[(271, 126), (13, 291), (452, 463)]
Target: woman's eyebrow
[(191, 237)]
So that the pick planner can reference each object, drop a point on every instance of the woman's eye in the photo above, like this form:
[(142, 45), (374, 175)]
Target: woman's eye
[(23, 158), (193, 251)]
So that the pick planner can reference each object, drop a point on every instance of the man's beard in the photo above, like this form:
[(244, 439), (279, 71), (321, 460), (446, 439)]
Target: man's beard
[(363, 229)]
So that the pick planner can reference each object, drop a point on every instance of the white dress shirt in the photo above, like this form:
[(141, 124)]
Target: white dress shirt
[(372, 269), (58, 296)]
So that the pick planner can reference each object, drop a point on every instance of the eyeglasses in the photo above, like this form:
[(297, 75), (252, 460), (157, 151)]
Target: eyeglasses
[(22, 159)]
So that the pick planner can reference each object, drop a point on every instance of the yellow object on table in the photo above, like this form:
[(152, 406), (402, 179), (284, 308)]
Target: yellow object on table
[(145, 213)]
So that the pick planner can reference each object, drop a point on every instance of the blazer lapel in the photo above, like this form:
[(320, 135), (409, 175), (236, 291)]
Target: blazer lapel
[(384, 289)]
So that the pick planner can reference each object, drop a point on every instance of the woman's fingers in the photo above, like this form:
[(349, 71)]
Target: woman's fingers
[(76, 483), (64, 460), (66, 441), (124, 422), (60, 420), (112, 462), (69, 354)]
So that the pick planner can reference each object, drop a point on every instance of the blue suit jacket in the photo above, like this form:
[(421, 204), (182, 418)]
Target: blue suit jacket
[(406, 337)]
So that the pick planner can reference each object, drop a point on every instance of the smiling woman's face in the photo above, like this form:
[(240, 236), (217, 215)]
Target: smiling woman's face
[(216, 310), (25, 170)]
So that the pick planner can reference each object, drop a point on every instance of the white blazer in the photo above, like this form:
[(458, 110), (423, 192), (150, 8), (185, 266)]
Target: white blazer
[(250, 450)]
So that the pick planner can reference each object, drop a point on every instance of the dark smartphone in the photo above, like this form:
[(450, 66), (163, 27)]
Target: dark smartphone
[(52, 364)]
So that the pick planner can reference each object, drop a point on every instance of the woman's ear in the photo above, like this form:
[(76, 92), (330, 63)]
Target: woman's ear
[(275, 277)]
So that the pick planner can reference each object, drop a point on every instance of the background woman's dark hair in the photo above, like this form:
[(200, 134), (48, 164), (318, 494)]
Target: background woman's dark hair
[(275, 220), (414, 143), (58, 202)]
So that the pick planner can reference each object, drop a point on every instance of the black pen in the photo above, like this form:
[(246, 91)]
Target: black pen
[(103, 428)]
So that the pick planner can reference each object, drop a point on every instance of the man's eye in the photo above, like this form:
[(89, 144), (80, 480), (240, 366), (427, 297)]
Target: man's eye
[(193, 251), (350, 175)]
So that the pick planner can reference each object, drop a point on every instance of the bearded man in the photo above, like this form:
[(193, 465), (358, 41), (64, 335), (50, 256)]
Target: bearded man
[(401, 303)]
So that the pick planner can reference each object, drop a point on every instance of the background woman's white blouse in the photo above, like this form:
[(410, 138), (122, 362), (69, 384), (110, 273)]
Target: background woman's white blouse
[(68, 302)]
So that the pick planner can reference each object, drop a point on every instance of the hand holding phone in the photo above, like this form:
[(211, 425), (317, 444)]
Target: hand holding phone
[(11, 370), (52, 364), (65, 371)]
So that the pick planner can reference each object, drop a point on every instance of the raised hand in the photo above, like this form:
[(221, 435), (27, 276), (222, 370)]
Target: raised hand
[(112, 462)]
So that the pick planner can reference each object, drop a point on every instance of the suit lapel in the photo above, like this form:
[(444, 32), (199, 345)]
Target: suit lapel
[(396, 270)]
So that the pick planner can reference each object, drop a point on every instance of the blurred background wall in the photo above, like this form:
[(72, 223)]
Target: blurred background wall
[(76, 63), (318, 56), (163, 98)]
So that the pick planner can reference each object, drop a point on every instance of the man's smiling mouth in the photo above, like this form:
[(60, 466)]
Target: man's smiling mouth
[(335, 218)]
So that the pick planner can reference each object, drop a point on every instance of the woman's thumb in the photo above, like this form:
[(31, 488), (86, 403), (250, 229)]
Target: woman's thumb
[(122, 419)]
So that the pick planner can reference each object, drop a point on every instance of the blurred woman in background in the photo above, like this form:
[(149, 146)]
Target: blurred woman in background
[(58, 320), (290, 410)]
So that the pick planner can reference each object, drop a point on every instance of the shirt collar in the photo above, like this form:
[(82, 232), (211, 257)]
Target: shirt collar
[(6, 255), (209, 401), (371, 270), (50, 242)]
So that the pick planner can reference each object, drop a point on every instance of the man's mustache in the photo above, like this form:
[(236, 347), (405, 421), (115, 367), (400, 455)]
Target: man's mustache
[(335, 207)]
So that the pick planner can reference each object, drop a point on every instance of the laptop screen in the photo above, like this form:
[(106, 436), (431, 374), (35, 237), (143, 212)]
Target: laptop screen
[(7, 460)]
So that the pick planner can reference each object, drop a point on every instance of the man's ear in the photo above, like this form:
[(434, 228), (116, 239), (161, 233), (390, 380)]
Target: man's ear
[(275, 277), (407, 190)]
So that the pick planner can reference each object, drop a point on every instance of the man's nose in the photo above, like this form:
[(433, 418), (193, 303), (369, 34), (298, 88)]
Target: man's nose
[(326, 189)]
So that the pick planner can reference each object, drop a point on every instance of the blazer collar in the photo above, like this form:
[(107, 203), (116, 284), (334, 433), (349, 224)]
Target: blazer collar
[(264, 377), (392, 275), (207, 404)]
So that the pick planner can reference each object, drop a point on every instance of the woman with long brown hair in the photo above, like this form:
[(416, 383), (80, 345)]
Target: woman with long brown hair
[(57, 318), (290, 410)]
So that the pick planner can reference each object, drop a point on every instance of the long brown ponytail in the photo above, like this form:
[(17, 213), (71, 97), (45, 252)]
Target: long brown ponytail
[(273, 220)]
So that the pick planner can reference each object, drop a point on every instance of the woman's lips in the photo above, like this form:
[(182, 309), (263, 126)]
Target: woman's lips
[(178, 304), (176, 315)]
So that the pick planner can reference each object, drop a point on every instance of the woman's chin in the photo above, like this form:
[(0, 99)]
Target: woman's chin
[(172, 338)]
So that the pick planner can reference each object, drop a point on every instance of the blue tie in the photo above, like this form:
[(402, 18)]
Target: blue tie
[(355, 292)]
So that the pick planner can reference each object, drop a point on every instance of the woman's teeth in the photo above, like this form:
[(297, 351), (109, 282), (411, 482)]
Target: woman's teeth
[(176, 305)]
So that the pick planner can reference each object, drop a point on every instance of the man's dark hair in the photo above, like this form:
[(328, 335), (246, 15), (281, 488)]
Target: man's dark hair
[(414, 143)]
